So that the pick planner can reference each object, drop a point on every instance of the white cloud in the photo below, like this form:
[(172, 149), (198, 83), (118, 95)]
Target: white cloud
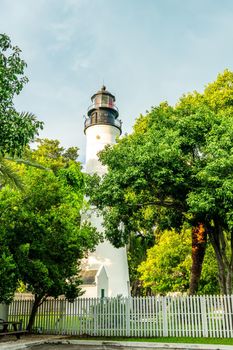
[(144, 51)]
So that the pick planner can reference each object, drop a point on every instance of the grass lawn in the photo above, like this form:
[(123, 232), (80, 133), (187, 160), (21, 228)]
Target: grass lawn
[(222, 341)]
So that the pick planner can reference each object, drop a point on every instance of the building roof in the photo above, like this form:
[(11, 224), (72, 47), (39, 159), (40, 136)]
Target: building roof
[(88, 276), (103, 91)]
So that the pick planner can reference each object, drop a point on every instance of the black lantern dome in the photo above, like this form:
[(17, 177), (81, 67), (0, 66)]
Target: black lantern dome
[(102, 110)]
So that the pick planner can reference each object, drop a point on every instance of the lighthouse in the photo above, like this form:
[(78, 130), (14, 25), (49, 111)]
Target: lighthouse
[(105, 271)]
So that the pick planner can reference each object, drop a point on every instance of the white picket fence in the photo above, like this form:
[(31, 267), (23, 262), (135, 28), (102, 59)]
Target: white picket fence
[(182, 316)]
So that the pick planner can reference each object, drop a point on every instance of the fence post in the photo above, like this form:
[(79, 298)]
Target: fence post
[(204, 316), (127, 314), (60, 317), (164, 315)]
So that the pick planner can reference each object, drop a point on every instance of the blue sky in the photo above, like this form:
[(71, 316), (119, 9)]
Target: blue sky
[(145, 51)]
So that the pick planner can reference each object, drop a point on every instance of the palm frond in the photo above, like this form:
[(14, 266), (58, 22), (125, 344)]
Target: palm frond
[(9, 176), (27, 162)]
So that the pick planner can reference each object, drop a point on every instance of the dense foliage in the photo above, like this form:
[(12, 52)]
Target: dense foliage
[(41, 225), (175, 169), (16, 129), (136, 253), (168, 263)]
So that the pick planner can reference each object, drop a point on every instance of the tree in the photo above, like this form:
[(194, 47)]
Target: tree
[(175, 169), (8, 175), (218, 97), (42, 227), (168, 264), (16, 129), (136, 253), (8, 275)]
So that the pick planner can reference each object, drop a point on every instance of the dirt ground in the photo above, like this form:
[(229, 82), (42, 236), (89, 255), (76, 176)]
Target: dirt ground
[(55, 346), (28, 338)]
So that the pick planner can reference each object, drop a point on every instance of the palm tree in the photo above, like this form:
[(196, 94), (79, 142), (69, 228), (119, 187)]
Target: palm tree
[(9, 176)]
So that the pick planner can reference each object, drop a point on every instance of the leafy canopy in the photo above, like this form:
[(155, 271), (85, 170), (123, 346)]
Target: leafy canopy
[(174, 169), (16, 129), (168, 263), (41, 225)]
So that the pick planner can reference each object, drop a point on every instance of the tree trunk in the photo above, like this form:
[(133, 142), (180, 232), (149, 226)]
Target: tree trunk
[(38, 301), (199, 240), (221, 273), (225, 264), (229, 282)]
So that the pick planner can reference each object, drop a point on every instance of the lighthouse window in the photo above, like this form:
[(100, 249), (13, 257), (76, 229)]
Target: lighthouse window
[(110, 101), (98, 100), (94, 118), (105, 99)]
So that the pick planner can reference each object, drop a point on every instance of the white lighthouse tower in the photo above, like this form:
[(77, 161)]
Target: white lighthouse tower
[(105, 271)]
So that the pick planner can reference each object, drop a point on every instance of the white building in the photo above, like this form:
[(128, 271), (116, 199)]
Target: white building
[(104, 272)]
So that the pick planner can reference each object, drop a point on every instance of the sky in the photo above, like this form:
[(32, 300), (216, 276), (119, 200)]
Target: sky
[(144, 51)]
